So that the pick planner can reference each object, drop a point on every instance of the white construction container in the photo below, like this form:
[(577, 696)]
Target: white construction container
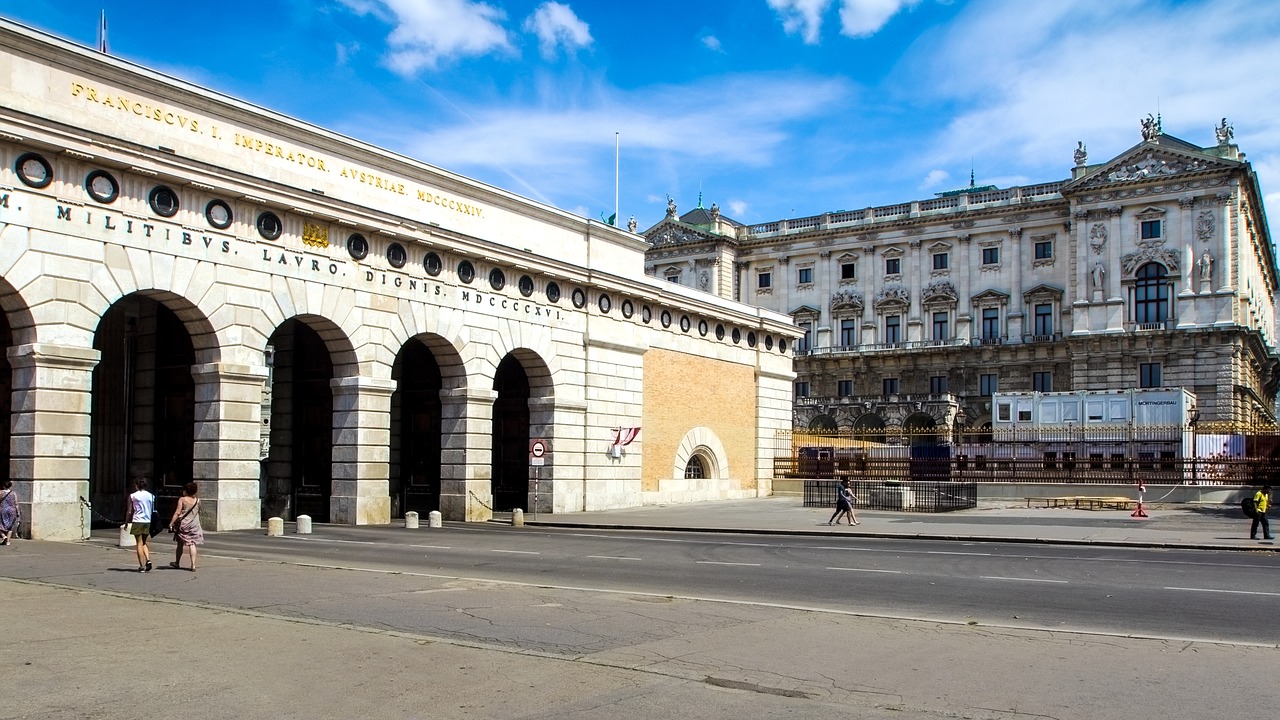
[(1153, 407)]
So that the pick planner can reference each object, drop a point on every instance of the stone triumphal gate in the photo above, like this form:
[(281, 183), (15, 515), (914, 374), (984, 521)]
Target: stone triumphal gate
[(194, 288)]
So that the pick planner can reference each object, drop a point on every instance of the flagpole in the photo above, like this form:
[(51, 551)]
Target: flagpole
[(616, 147)]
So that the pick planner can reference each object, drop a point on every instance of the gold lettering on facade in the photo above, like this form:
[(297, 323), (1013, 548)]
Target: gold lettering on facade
[(264, 146)]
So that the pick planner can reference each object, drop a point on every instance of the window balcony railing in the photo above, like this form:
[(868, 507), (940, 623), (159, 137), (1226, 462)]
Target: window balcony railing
[(994, 340), (881, 347), (827, 401), (1162, 325), (1052, 337)]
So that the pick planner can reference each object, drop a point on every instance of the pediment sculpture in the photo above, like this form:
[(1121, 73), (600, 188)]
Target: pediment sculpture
[(938, 291), (1134, 260), (846, 300), (893, 295)]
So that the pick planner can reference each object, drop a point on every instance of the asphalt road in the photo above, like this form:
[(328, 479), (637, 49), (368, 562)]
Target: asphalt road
[(1168, 594)]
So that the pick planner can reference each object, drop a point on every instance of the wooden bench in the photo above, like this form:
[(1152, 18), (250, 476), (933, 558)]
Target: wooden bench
[(1088, 502)]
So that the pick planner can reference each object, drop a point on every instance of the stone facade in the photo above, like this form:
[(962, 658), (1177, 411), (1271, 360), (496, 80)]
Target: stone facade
[(1154, 268), (194, 288)]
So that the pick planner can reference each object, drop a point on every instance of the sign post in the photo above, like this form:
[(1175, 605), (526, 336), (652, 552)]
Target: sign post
[(537, 458)]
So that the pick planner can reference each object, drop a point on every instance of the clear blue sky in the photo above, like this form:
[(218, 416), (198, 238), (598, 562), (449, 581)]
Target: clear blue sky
[(770, 108)]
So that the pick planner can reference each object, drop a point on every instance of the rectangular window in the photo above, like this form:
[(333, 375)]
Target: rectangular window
[(893, 266), (806, 276), (940, 261), (848, 332), (1149, 375), (844, 388), (1004, 411), (764, 280), (987, 384), (1042, 381), (674, 277), (991, 323), (1151, 229), (802, 389), (1044, 320), (848, 271), (802, 343), (890, 386), (893, 329), (1044, 249), (991, 256), (938, 385), (941, 329)]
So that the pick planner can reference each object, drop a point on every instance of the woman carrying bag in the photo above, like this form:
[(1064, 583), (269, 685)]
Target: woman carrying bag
[(185, 526)]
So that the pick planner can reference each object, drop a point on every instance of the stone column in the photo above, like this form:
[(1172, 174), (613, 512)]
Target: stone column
[(49, 447), (361, 451), (1224, 264), (228, 448), (1017, 323), (964, 292), (466, 456), (1187, 248), (826, 288), (915, 321), (782, 285), (1112, 284)]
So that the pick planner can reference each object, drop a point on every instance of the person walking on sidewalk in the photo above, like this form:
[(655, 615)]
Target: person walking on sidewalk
[(10, 513), (185, 526), (138, 514), (844, 504), (1261, 500)]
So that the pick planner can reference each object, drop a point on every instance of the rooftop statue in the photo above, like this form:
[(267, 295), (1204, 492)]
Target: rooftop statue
[(1224, 132), (1082, 155)]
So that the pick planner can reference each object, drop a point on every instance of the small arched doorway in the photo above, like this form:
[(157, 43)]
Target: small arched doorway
[(510, 461), (823, 423)]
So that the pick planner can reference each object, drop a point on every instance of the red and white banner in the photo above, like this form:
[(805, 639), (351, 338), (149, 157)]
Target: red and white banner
[(623, 436)]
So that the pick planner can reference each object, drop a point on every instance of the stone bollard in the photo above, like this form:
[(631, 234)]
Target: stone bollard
[(304, 525), (435, 519), (126, 539), (517, 518), (411, 520), (275, 527)]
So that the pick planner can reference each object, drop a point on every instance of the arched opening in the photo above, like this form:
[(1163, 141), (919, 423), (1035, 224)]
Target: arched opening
[(510, 462), (299, 464), (415, 431), (869, 426), (143, 405), (695, 469), (921, 429), (823, 423)]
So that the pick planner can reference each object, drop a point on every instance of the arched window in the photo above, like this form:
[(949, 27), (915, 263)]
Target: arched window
[(1151, 294), (695, 470)]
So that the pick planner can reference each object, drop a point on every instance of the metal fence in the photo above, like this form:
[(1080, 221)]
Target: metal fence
[(911, 495), (1102, 455)]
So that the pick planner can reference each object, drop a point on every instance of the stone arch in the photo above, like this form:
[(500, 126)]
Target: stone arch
[(822, 422), (703, 443)]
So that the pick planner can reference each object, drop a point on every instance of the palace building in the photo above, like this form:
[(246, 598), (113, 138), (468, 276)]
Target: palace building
[(1154, 268), (195, 288)]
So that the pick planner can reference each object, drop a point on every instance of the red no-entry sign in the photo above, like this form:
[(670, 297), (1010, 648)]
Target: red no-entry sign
[(537, 451)]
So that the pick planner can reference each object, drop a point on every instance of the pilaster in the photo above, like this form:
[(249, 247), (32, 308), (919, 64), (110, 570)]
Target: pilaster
[(49, 448), (466, 428), (361, 451), (229, 448)]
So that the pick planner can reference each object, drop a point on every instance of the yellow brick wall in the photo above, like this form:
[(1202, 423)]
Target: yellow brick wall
[(684, 391)]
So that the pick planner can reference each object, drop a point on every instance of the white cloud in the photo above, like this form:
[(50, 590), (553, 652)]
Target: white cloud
[(864, 18), (737, 208), (934, 179), (664, 130), (345, 51), (556, 24), (1033, 83), (712, 43), (428, 33), (802, 16)]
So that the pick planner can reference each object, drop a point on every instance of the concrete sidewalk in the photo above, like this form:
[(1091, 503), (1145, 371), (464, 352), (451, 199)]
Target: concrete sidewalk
[(1173, 526)]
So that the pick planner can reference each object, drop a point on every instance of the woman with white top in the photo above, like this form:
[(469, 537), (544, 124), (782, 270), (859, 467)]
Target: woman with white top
[(138, 514)]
